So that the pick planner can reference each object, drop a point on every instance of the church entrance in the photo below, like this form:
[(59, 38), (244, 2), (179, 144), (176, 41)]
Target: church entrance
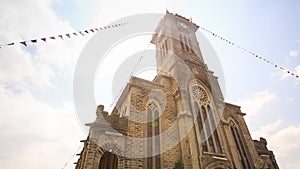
[(108, 161)]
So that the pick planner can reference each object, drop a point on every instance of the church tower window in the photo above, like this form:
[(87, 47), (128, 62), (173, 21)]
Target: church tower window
[(190, 45), (181, 42), (186, 43)]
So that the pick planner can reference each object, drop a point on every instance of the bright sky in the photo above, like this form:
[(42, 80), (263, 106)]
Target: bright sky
[(39, 127)]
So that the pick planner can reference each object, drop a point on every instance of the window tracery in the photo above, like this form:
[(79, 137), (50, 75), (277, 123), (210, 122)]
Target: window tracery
[(205, 119), (200, 94)]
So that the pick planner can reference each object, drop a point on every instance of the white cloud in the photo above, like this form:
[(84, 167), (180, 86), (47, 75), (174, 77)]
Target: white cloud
[(34, 133), (253, 104), (295, 165), (37, 68), (140, 6), (265, 130), (294, 53), (283, 141)]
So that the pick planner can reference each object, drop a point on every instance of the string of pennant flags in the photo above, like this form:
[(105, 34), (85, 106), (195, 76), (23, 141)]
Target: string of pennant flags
[(94, 30), (252, 53), (63, 36)]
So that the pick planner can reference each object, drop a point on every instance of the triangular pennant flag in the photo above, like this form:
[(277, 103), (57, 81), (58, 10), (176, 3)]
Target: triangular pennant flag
[(10, 44), (68, 35), (86, 31), (34, 41), (24, 43), (97, 29), (91, 30), (61, 37), (100, 28), (81, 33), (297, 76), (75, 33), (43, 39), (52, 37)]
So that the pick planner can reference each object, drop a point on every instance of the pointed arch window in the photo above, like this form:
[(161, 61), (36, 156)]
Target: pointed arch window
[(214, 127), (200, 127), (206, 122), (240, 146), (153, 141), (208, 130), (186, 43)]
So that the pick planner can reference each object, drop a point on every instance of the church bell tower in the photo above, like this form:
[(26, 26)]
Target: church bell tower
[(185, 101)]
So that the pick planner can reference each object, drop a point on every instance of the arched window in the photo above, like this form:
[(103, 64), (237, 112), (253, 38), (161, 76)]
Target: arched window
[(240, 146), (214, 127), (205, 119), (200, 126), (181, 42), (149, 142), (153, 143), (108, 161), (208, 130)]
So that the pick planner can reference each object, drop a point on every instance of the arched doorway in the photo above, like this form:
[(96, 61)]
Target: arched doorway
[(108, 161)]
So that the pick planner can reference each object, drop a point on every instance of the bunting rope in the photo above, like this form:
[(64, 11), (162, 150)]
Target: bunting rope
[(72, 156), (94, 30), (283, 69), (63, 36)]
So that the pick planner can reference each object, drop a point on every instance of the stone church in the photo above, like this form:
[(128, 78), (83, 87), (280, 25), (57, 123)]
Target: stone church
[(178, 120)]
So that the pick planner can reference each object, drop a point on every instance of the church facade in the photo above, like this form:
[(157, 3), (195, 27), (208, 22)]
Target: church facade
[(178, 120)]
